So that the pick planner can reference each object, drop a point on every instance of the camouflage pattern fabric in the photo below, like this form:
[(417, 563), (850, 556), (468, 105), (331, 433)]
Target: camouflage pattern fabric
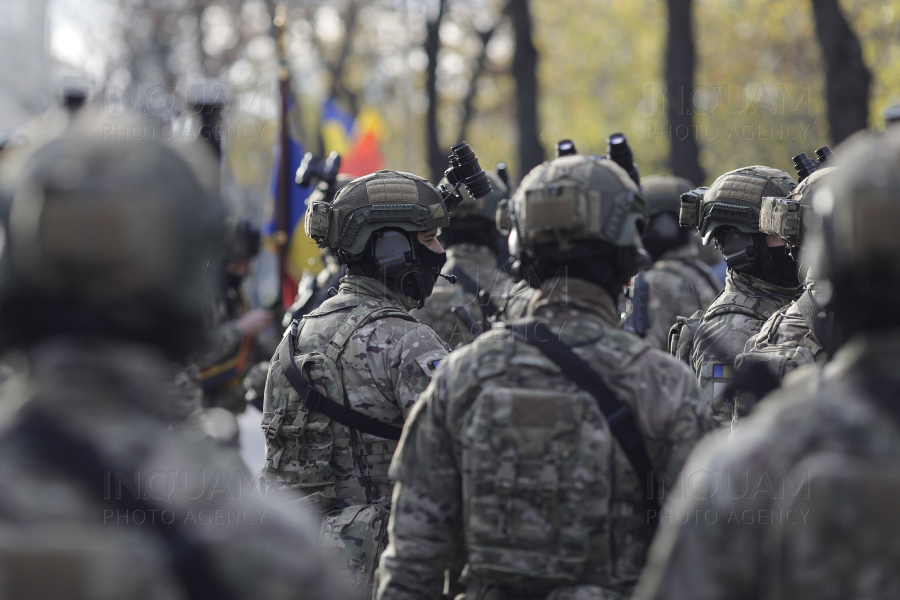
[(383, 368), (801, 502), (63, 537), (785, 343), (480, 264), (429, 518), (736, 315), (680, 283), (514, 301), (356, 537)]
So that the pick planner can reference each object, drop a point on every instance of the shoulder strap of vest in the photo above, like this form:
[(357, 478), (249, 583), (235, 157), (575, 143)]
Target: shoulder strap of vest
[(619, 416), (359, 317), (744, 306), (80, 460)]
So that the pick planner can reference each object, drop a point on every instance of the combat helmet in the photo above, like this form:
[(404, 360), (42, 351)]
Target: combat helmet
[(663, 193), (577, 207), (733, 200), (385, 199), (372, 225), (107, 236), (857, 249)]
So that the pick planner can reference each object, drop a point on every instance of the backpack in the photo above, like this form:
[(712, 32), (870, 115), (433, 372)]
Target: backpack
[(535, 482)]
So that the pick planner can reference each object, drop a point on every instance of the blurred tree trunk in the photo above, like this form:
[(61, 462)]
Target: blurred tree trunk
[(684, 153), (437, 160), (469, 102), (524, 71), (847, 79)]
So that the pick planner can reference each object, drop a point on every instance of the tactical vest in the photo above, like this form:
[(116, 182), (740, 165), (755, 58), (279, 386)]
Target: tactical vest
[(305, 446), (536, 480)]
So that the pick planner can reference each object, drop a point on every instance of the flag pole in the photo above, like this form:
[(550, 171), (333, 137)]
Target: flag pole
[(285, 177)]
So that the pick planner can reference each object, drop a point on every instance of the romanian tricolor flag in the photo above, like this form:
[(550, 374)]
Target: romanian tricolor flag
[(358, 140), (300, 253)]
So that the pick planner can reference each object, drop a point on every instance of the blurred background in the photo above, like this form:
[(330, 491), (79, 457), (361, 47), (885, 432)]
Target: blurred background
[(699, 87)]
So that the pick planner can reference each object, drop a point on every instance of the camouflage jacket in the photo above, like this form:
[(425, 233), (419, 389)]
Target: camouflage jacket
[(679, 284), (384, 366), (801, 502), (785, 343), (478, 263), (733, 318), (113, 499), (428, 520)]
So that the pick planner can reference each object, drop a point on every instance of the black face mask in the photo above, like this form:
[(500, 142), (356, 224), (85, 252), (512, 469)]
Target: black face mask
[(784, 266), (417, 281)]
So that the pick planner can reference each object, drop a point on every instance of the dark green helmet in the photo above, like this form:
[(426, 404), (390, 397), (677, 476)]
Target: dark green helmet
[(377, 201), (576, 201), (107, 235), (733, 200)]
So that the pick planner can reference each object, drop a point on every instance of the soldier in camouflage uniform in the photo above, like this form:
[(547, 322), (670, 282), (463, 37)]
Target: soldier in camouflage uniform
[(762, 277), (100, 500), (679, 282), (788, 340), (510, 467), (802, 502), (233, 348), (471, 241), (360, 350)]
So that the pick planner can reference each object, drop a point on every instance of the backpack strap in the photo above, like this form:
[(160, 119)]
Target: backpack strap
[(619, 415), (311, 400), (79, 460)]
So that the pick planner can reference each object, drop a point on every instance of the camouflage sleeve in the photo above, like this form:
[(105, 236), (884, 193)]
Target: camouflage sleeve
[(425, 526), (413, 359), (674, 418)]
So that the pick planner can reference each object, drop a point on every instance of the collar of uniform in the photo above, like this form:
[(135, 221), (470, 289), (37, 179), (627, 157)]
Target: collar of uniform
[(741, 283), (472, 253), (367, 286), (563, 297)]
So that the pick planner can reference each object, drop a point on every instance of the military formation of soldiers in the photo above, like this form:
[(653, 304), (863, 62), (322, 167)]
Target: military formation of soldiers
[(600, 417)]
